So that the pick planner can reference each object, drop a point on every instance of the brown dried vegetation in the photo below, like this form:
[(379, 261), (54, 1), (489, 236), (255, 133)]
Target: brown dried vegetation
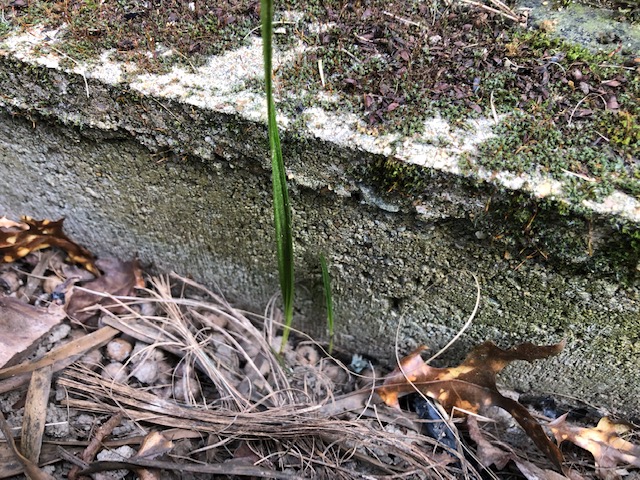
[(183, 385)]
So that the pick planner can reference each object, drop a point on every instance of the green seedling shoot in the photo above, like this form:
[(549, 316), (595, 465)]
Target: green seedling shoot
[(281, 206)]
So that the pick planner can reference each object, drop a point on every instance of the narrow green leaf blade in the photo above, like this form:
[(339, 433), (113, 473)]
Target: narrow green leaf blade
[(281, 206)]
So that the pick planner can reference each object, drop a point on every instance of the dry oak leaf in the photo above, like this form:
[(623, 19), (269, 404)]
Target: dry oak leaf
[(603, 442), (118, 279), (471, 386), (18, 240)]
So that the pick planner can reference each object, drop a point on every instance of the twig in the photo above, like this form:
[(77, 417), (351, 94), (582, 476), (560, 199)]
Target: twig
[(96, 443), (610, 65), (502, 6), (578, 175), (321, 70), (219, 469), (35, 413), (344, 50), (30, 468), (507, 14), (580, 102), (75, 348), (72, 459), (493, 108), (255, 29), (403, 20)]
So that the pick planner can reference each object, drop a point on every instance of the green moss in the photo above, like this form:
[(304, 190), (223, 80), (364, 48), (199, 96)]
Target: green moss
[(393, 176), (569, 135), (522, 227), (581, 243)]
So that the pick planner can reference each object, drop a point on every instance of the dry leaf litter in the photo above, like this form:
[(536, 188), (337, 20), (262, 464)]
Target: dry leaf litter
[(160, 377)]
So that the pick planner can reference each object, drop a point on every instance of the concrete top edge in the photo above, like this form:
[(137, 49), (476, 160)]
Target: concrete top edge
[(220, 85)]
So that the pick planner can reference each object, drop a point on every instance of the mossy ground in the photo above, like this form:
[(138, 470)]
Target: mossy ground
[(569, 113), (141, 31)]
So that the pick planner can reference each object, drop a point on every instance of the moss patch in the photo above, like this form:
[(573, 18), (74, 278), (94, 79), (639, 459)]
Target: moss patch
[(525, 230), (140, 32), (585, 128), (570, 113)]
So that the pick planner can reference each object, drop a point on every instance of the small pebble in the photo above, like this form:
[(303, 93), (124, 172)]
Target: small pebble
[(118, 349), (307, 355), (10, 281), (148, 309), (250, 348), (115, 371), (118, 454), (164, 372), (289, 354), (336, 373), (185, 389), (146, 371), (58, 333), (142, 351)]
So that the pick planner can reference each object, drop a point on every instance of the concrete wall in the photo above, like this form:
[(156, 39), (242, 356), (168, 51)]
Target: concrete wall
[(187, 188)]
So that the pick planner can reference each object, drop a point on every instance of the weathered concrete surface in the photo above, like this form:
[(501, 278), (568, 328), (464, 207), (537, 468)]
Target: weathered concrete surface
[(595, 28), (175, 169)]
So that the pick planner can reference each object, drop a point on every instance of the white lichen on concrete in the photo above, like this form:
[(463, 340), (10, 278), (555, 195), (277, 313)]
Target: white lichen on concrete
[(617, 201), (440, 146), (219, 85)]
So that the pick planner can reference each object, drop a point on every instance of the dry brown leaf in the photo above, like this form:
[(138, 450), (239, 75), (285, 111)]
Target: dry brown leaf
[(5, 223), (22, 326), (119, 279), (17, 240), (490, 454), (154, 445), (603, 442), (96, 443), (472, 385)]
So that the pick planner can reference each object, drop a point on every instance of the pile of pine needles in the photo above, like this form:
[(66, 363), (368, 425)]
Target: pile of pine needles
[(255, 412)]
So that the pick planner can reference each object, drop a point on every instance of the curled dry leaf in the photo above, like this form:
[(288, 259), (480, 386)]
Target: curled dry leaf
[(154, 445), (603, 442), (17, 240), (119, 278), (500, 455), (472, 385)]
